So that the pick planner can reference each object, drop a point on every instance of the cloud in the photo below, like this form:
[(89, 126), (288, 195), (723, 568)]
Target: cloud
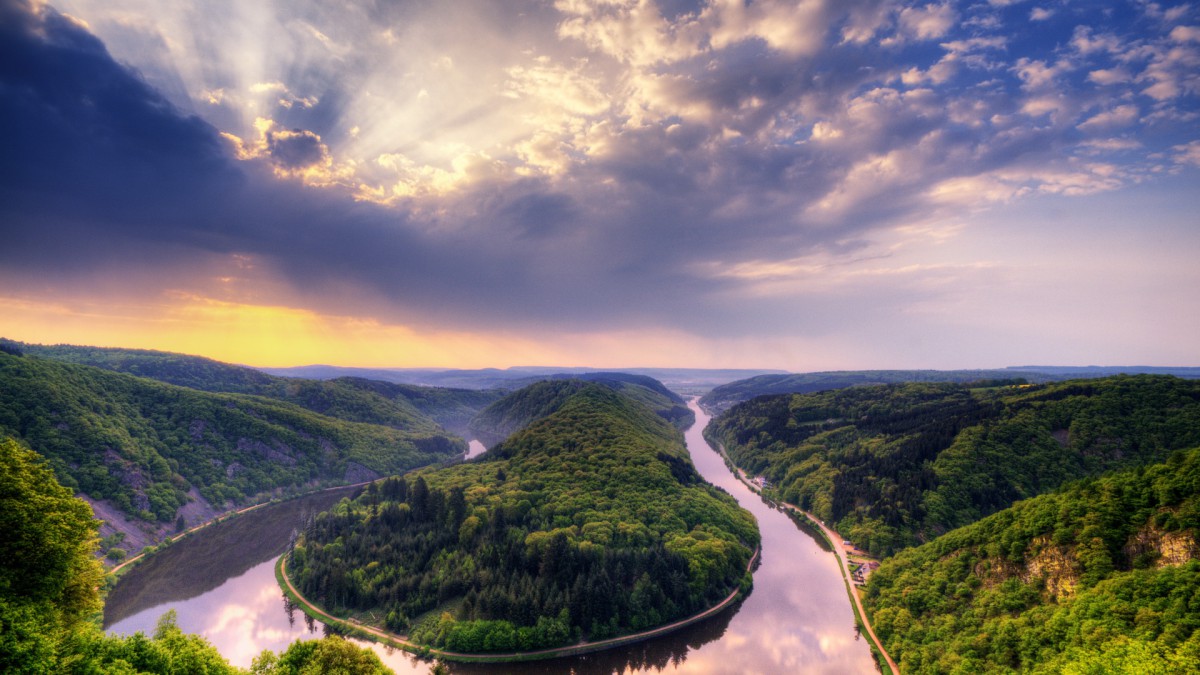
[(637, 31), (1086, 44), (929, 22), (1120, 116), (1187, 154), (595, 165), (1106, 76), (292, 153), (1185, 34), (296, 149), (1037, 74)]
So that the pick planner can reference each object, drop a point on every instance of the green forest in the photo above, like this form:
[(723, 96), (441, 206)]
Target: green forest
[(895, 466), (144, 445), (50, 603), (724, 396), (353, 399), (1102, 577), (590, 522), (539, 399)]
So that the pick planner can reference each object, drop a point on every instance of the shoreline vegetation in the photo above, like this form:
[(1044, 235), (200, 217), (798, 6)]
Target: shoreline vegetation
[(354, 628)]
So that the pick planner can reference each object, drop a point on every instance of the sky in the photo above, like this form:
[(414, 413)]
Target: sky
[(803, 185)]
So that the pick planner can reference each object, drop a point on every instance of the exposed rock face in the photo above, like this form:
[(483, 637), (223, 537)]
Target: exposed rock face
[(281, 452), (1056, 565), (357, 473), (196, 429), (1166, 549), (994, 571)]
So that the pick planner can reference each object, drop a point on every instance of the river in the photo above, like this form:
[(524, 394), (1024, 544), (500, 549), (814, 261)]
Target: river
[(798, 618)]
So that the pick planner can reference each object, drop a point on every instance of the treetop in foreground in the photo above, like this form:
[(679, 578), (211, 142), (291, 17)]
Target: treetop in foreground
[(50, 600)]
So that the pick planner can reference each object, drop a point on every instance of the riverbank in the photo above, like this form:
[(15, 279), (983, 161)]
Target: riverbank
[(839, 551), (116, 571), (358, 629)]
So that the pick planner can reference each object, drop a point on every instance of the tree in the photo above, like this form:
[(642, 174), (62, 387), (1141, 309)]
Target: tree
[(48, 575), (332, 655)]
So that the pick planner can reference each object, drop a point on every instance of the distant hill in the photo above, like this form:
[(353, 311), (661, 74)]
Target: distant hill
[(893, 466), (726, 395), (535, 401), (607, 377), (1075, 372), (690, 381), (591, 522), (352, 399), (1102, 577), (452, 408), (148, 448)]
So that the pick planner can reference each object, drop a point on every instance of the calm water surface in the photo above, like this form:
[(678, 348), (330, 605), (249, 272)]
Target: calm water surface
[(798, 618)]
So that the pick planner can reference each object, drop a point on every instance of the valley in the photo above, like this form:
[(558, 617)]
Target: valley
[(596, 528)]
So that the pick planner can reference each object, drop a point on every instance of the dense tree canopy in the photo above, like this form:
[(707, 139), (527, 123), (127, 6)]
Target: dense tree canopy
[(402, 406), (539, 399), (49, 597), (48, 575), (143, 444), (1102, 577), (724, 396), (591, 522), (892, 466)]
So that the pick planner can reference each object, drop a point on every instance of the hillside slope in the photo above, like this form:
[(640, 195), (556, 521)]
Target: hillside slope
[(408, 407), (516, 410), (723, 397), (896, 465), (50, 590), (589, 522), (1101, 577), (453, 409), (149, 448)]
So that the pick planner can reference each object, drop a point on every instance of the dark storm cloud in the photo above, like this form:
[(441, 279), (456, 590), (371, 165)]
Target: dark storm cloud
[(88, 146), (296, 149)]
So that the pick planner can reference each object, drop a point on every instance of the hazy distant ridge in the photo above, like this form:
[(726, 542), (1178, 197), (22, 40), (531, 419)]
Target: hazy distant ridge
[(726, 395)]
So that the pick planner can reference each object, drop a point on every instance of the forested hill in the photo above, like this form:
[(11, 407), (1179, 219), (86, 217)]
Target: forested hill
[(408, 407), (608, 378), (539, 399), (722, 397), (1102, 577), (588, 523), (893, 466), (50, 591), (149, 447)]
